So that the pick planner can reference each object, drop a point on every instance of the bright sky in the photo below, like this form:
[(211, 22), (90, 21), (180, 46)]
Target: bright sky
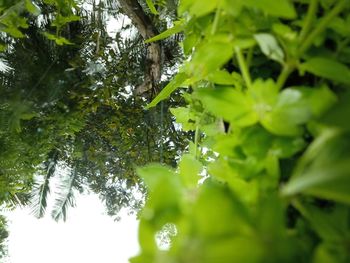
[(88, 236)]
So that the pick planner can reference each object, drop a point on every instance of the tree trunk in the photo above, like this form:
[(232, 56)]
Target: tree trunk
[(147, 30)]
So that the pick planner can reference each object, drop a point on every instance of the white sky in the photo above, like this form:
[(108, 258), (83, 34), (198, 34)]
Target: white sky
[(88, 236)]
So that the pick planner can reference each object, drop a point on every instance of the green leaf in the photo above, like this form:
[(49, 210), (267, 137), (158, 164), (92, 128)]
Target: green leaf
[(183, 6), (340, 26), (233, 7), (264, 93), (285, 147), (2, 47), (14, 21), (247, 192), (270, 216), (282, 114), (338, 115), (256, 141), (62, 41), (269, 46), (281, 8), (327, 4), (324, 169), (28, 116), (222, 77), (330, 225), (32, 8), (327, 68), (205, 61), (50, 2), (244, 42), (59, 40), (320, 99), (329, 253), (14, 32), (62, 20), (185, 117), (164, 194), (178, 27), (212, 128), (202, 7), (231, 218), (290, 111), (285, 32), (177, 81), (325, 182), (230, 104), (190, 42), (153, 175), (152, 7), (273, 171), (190, 169), (246, 249), (146, 239)]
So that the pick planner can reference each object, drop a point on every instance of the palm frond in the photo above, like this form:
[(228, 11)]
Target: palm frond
[(65, 197), (42, 189), (17, 200), (4, 66)]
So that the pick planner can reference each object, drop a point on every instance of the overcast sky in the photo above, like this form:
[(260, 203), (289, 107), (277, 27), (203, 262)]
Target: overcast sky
[(88, 236)]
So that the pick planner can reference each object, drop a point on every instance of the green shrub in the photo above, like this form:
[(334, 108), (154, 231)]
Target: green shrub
[(277, 179)]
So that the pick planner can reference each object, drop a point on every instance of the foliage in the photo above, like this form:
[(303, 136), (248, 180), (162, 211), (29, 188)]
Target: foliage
[(67, 104), (267, 176), (266, 102), (3, 236)]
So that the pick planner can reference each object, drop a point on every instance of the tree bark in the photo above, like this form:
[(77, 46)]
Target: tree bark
[(144, 25)]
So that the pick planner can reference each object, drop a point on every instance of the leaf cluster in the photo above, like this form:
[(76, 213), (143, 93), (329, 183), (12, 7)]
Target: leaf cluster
[(267, 176)]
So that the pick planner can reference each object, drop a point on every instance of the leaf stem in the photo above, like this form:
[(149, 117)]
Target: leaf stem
[(243, 67), (216, 20), (342, 45), (161, 130), (286, 71), (250, 56), (321, 26), (196, 138), (308, 20), (299, 206)]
